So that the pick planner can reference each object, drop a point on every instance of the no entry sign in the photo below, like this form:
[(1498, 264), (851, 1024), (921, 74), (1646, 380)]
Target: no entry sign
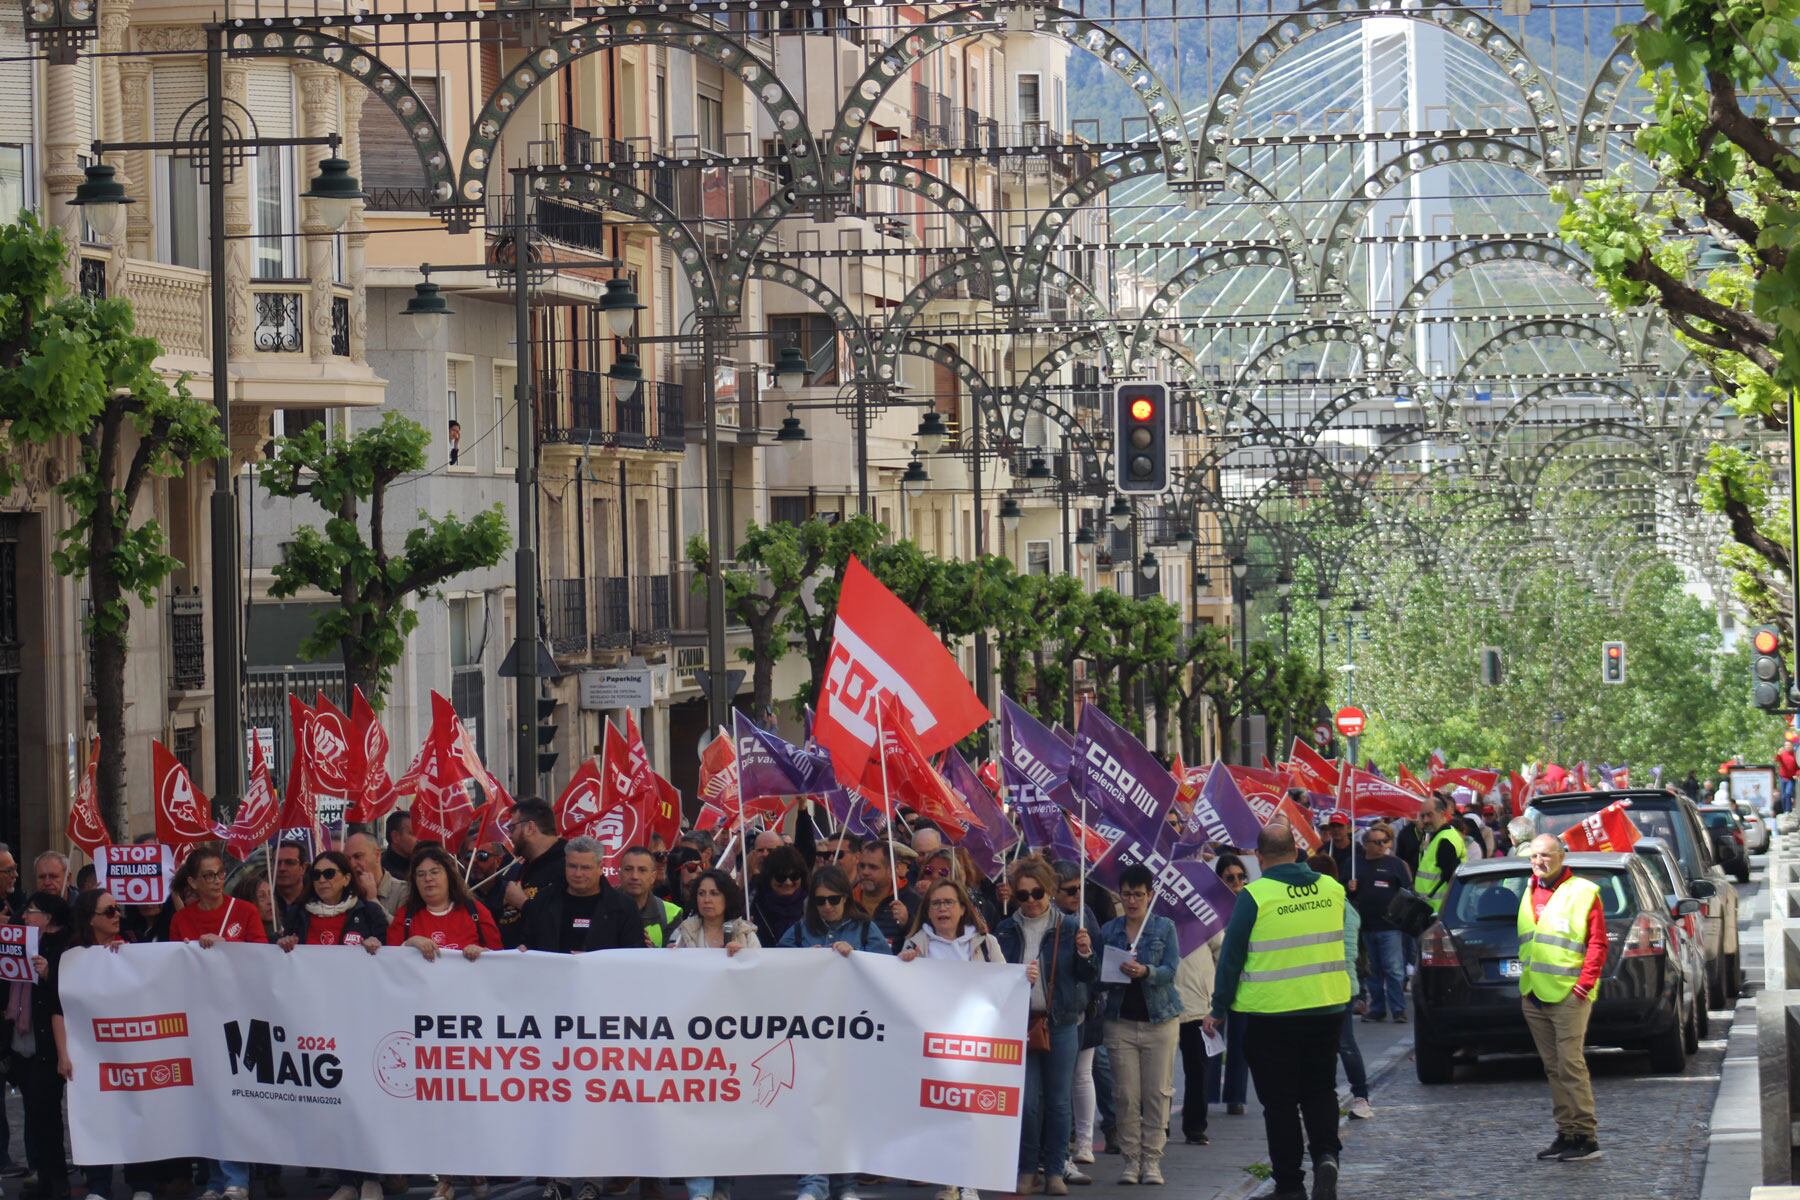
[(1350, 721)]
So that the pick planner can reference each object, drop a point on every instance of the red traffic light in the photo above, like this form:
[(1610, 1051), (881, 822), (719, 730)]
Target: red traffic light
[(1142, 409), (1766, 641), (1612, 652)]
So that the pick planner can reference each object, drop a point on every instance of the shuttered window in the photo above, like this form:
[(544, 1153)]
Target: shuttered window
[(391, 173), (177, 106), (17, 131), (273, 199)]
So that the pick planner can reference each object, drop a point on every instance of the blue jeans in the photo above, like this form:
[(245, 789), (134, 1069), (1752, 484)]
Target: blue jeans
[(1786, 801), (1047, 1107), (1230, 1084), (824, 1187), (1386, 984), (1103, 1091), (1350, 1054), (221, 1175), (722, 1185)]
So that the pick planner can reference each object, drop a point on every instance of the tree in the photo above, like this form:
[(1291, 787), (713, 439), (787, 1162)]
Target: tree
[(372, 619), (1733, 293), (76, 368)]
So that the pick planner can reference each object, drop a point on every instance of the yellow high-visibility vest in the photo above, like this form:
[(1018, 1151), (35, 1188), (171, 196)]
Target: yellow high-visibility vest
[(1296, 957), (1431, 886), (1553, 945)]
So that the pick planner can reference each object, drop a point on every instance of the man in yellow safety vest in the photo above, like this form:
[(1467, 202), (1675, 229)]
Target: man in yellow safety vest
[(1285, 963), (1562, 951), (1442, 853)]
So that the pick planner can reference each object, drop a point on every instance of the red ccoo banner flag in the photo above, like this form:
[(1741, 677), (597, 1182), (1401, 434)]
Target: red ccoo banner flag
[(1608, 829)]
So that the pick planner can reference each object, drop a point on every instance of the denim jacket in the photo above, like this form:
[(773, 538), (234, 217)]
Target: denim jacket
[(1158, 949), (860, 932), (1074, 973)]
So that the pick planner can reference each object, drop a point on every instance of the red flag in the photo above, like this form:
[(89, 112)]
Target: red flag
[(255, 821), (1435, 763), (1410, 782), (300, 802), (1608, 829), (910, 778), (86, 829), (1300, 821), (710, 817), (1267, 765), (1366, 794), (1478, 781), (579, 804), (719, 775), (181, 811), (881, 646), (1312, 770), (330, 734), (665, 813), (1622, 778), (1521, 793), (1581, 783), (1094, 844), (443, 804), (372, 791), (990, 775)]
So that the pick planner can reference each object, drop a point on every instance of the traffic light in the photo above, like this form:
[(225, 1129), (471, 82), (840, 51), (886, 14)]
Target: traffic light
[(546, 734), (1141, 438), (1768, 673), (1490, 666), (1612, 662)]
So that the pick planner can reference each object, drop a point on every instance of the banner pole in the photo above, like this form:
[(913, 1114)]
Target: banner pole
[(1083, 855), (887, 797)]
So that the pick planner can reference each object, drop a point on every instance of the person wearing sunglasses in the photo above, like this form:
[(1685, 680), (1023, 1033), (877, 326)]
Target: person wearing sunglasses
[(681, 872), (1382, 877), (833, 919), (331, 913), (778, 897), (1058, 954)]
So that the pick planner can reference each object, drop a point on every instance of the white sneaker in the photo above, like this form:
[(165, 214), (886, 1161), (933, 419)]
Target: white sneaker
[(344, 1193), (371, 1189), (142, 1196), (210, 1194), (237, 1193), (95, 1196), (1361, 1110), (969, 1194), (1084, 1156)]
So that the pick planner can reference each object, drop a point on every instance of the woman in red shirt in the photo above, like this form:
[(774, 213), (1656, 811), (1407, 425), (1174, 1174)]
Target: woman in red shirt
[(440, 912), (214, 917), (330, 913)]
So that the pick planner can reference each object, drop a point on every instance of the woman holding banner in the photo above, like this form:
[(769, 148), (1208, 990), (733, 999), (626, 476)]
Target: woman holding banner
[(440, 912), (330, 913), (1143, 1023), (1059, 961), (718, 924), (40, 1058), (831, 919)]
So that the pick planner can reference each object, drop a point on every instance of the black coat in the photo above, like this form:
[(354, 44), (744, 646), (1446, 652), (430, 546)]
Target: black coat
[(365, 917), (617, 924)]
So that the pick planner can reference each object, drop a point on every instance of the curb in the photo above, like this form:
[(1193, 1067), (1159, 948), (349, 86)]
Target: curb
[(1378, 1074)]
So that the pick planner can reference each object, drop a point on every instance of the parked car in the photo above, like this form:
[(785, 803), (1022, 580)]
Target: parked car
[(1756, 827), (1676, 820), (1727, 833), (1665, 872), (1466, 991)]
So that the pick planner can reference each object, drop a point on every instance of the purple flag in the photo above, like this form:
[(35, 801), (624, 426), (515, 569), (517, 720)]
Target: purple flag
[(1064, 736), (988, 843), (1221, 815), (1041, 819), (1124, 784), (852, 814), (1190, 893), (1030, 748), (769, 766)]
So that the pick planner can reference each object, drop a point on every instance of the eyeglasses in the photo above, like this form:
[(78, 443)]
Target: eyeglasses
[(936, 872), (1069, 889), (946, 902), (1032, 896), (210, 876), (107, 912), (692, 868), (1234, 877), (326, 873), (483, 855), (824, 901)]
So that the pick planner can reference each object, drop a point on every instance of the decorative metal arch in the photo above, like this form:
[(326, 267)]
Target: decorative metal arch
[(821, 293), (1589, 154), (585, 185), (1533, 467), (1252, 373), (1205, 264), (1516, 335), (702, 41), (983, 240)]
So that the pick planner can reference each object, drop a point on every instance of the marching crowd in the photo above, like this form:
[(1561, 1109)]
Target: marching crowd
[(1101, 1052)]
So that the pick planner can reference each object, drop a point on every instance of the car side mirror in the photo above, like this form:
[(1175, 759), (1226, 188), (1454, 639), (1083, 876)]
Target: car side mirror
[(1687, 905), (1703, 888)]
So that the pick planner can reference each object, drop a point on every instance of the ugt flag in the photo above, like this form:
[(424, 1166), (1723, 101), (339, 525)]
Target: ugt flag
[(881, 646), (1609, 829), (1122, 782)]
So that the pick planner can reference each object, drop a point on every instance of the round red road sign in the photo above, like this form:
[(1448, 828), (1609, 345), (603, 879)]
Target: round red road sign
[(1350, 721)]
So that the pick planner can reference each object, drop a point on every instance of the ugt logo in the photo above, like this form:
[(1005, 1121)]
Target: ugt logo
[(261, 1050)]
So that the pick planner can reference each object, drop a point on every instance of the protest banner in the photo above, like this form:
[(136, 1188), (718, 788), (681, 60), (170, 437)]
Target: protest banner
[(135, 874), (18, 946), (766, 1063)]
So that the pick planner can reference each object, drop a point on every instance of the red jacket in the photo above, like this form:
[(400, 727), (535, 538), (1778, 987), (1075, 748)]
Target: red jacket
[(1786, 765), (1594, 961)]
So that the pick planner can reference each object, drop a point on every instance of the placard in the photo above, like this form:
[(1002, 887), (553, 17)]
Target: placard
[(18, 946), (136, 874)]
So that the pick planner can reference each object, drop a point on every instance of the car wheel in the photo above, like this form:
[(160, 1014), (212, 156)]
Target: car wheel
[(1435, 1064), (1741, 872), (1690, 1032), (1668, 1049), (1715, 984)]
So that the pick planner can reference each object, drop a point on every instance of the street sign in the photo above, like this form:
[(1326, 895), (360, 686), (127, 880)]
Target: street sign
[(627, 687), (1322, 734), (734, 679), (1350, 721)]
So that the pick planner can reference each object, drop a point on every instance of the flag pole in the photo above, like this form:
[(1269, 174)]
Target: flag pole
[(887, 797), (1082, 898)]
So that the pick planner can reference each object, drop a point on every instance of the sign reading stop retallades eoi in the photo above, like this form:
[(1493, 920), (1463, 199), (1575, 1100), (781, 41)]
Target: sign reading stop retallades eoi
[(135, 874), (18, 946), (1350, 721)]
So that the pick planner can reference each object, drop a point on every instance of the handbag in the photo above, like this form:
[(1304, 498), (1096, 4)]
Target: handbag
[(1037, 1033), (1410, 913)]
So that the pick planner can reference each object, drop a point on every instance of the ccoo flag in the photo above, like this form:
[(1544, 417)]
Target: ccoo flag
[(1221, 815), (1190, 893), (1122, 782)]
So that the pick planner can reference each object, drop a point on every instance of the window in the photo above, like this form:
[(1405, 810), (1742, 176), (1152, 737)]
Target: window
[(709, 121), (460, 434), (1031, 108), (275, 249), (505, 415), (468, 641), (817, 338), (1037, 558), (14, 179), (176, 92), (391, 172), (18, 129), (662, 110), (789, 510)]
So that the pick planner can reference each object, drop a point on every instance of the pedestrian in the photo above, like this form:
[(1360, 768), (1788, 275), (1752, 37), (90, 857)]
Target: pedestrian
[(779, 895), (290, 873), (439, 914), (1143, 1024), (1284, 965), (680, 871), (401, 843), (333, 914), (1084, 1096), (1380, 878), (1442, 850), (882, 894), (1691, 785), (637, 879), (1199, 1070), (1349, 1053), (370, 874), (1562, 950), (39, 1058), (1230, 1084), (540, 865), (765, 844), (252, 887), (1787, 767), (831, 919), (1474, 846), (718, 923), (585, 912), (1338, 832), (1058, 954)]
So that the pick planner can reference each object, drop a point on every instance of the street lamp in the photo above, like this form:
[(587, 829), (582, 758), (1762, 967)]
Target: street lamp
[(1239, 567), (792, 432), (1038, 475), (1120, 514), (1283, 585), (914, 477), (1010, 515), (1084, 537), (791, 371), (101, 197), (1148, 566), (626, 375), (336, 192), (620, 304), (932, 432), (1184, 541), (426, 307)]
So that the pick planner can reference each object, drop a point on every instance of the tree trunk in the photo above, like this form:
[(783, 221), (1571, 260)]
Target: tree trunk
[(361, 670), (109, 656)]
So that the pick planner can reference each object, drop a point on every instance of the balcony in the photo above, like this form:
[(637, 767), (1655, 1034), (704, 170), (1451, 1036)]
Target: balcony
[(612, 630), (278, 319), (187, 643), (172, 305), (578, 407), (651, 617), (565, 614)]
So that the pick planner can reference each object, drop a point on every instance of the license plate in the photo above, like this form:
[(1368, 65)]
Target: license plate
[(1510, 969)]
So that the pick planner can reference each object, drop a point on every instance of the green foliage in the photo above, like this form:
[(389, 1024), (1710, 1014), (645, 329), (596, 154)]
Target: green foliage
[(372, 619)]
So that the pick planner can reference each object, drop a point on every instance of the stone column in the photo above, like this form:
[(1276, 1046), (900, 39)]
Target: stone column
[(318, 86), (356, 231), (62, 170), (237, 219), (134, 119), (115, 17)]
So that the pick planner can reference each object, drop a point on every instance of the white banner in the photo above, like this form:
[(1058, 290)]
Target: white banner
[(632, 1062)]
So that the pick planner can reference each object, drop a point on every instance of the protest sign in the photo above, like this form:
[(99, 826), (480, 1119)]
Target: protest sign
[(135, 874), (18, 946), (771, 1062)]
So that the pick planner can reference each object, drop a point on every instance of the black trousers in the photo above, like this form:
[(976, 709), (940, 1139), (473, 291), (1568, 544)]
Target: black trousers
[(42, 1090), (1197, 1071), (1293, 1062)]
